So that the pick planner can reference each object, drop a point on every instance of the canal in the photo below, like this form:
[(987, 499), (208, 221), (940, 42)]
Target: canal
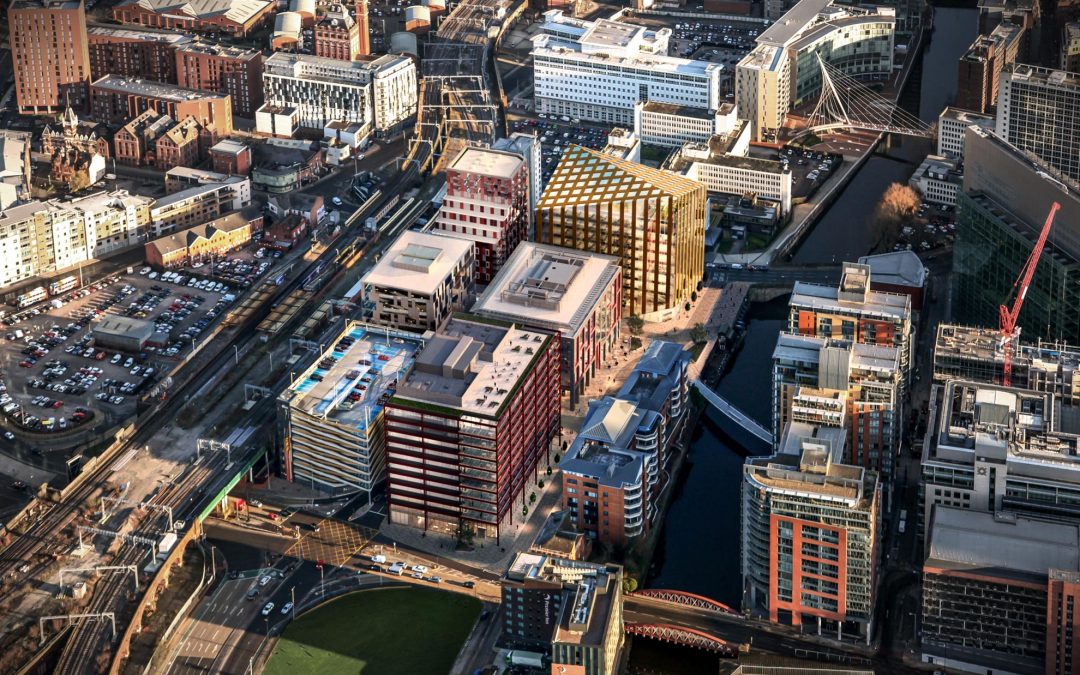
[(698, 550)]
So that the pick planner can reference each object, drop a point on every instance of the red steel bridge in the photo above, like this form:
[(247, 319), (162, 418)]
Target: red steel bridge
[(681, 635), (685, 599)]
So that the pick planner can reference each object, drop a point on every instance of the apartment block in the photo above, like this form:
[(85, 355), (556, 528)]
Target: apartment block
[(468, 427), (997, 591), (528, 147), (419, 282), (652, 220), (569, 609), (982, 64), (333, 414), (810, 542), (196, 205), (576, 295), (337, 35), (1039, 112), (49, 55), (613, 474), (486, 202), (236, 71), (843, 385), (134, 52), (117, 100), (952, 127), (853, 311), (599, 70)]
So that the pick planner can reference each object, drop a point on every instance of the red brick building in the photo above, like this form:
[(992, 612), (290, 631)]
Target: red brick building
[(232, 17), (469, 426), (140, 52), (49, 55), (363, 27), (179, 146), (133, 144), (337, 36), (223, 69), (487, 202), (116, 100), (231, 157)]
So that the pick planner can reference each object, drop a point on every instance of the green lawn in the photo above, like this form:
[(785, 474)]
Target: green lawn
[(383, 631)]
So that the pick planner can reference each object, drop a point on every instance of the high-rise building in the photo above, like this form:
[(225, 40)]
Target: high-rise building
[(134, 52), (573, 294), (567, 608), (652, 220), (236, 71), (1006, 197), (1039, 112), (419, 282), (782, 71), (467, 428), (809, 534), (487, 202), (528, 146), (853, 311), (997, 593), (50, 55), (363, 28), (844, 385), (337, 35), (981, 66)]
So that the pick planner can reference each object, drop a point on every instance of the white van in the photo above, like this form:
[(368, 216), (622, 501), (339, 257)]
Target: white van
[(378, 559), (397, 568)]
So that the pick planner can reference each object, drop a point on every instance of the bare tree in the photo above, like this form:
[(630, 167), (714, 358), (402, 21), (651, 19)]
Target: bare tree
[(897, 206)]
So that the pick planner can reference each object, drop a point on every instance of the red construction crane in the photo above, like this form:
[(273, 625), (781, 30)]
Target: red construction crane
[(1008, 316)]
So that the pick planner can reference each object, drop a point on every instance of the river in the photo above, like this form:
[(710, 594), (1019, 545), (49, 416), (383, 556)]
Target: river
[(698, 549)]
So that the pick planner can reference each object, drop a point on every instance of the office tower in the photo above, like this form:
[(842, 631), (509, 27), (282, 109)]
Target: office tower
[(981, 67), (652, 220), (50, 55), (1039, 112)]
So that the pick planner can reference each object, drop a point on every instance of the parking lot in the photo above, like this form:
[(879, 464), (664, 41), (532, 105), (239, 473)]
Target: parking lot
[(59, 382), (555, 136), (934, 226)]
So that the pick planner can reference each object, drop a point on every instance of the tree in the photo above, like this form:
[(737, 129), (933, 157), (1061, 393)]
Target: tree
[(693, 296), (465, 535), (635, 323), (897, 206), (629, 584), (698, 333)]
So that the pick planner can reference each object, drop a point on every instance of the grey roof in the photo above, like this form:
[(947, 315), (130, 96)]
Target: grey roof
[(903, 268), (234, 10), (660, 357), (1004, 541), (610, 420), (792, 23)]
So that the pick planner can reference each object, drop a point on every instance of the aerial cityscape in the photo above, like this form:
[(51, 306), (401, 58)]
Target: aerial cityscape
[(566, 337)]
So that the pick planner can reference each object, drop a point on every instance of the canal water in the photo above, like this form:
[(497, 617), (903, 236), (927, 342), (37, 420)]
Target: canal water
[(699, 548)]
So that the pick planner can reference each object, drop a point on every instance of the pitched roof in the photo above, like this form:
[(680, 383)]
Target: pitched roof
[(234, 10), (587, 176)]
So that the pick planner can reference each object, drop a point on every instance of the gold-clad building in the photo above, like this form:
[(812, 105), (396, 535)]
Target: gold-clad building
[(652, 220)]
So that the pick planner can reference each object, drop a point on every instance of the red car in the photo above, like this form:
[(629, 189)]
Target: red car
[(272, 516), (57, 404), (25, 364)]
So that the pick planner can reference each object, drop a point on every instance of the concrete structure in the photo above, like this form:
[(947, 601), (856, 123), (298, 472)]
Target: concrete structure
[(1007, 195), (841, 385), (952, 127), (199, 204), (898, 272), (337, 35), (236, 71), (1070, 47), (599, 70), (614, 472), (122, 332), (576, 295), (854, 312), (1039, 112), (486, 202), (212, 240), (982, 64), (39, 238), (652, 220), (116, 100), (381, 92), (782, 70), (990, 586), (134, 52), (672, 126), (419, 282), (810, 542), (333, 413), (467, 429), (15, 167), (232, 17), (969, 353), (51, 57), (568, 608), (938, 179)]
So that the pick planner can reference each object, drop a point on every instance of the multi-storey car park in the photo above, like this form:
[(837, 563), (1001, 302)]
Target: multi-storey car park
[(333, 413)]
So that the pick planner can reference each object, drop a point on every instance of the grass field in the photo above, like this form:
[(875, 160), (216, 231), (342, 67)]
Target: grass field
[(384, 631)]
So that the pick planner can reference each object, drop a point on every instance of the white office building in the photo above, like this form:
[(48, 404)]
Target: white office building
[(952, 123), (599, 70), (782, 71), (938, 179), (381, 93), (1038, 111), (672, 126)]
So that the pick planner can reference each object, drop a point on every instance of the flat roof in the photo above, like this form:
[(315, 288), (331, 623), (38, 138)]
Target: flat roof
[(229, 146), (137, 33), (826, 298), (222, 50), (678, 110), (548, 286), (556, 47), (1006, 541), (488, 162), (139, 87), (826, 27), (350, 384), (793, 22), (604, 32), (196, 190), (418, 262), (965, 116)]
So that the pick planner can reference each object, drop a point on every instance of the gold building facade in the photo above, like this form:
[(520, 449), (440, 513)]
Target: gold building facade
[(652, 220)]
